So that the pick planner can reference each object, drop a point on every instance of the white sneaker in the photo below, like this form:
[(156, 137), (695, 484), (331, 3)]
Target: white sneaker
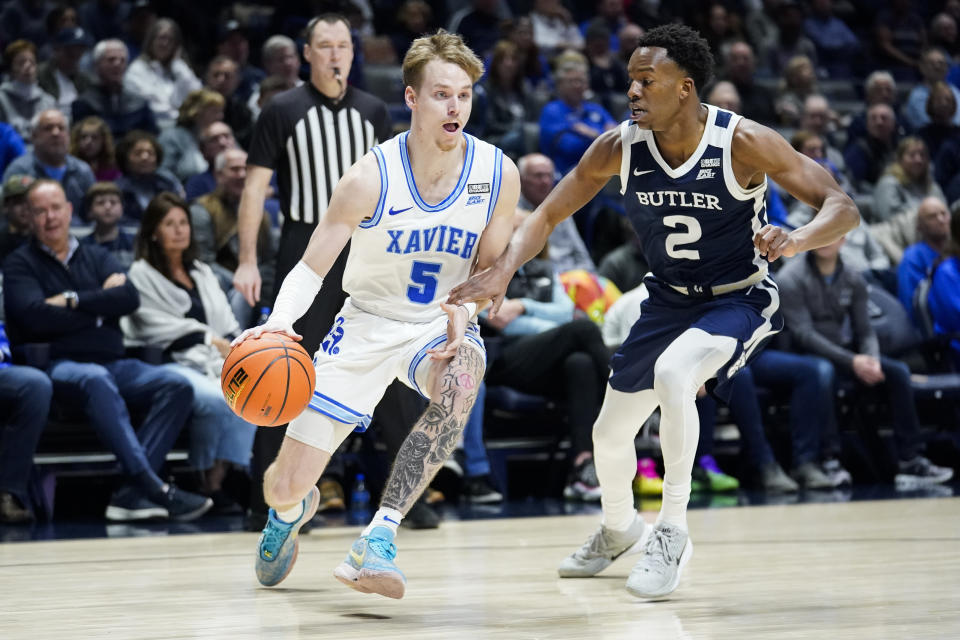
[(665, 554), (602, 548)]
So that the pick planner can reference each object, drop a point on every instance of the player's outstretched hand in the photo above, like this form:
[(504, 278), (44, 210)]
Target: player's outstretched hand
[(246, 280), (270, 326), (488, 285), (457, 318), (774, 242)]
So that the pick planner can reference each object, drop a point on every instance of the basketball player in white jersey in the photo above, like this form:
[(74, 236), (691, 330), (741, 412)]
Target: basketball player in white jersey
[(693, 178), (422, 210)]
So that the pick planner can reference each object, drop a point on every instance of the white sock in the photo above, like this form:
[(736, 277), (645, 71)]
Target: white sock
[(384, 517), (292, 514), (614, 455)]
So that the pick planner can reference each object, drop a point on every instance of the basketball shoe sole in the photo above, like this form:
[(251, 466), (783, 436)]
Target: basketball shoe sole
[(369, 567)]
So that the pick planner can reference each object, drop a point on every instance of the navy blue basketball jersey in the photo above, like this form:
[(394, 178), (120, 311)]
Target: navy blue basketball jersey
[(696, 223)]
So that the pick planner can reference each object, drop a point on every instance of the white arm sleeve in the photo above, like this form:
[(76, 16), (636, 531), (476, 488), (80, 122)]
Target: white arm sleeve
[(296, 294)]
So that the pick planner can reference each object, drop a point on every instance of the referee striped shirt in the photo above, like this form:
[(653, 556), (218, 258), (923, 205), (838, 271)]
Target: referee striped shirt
[(310, 141)]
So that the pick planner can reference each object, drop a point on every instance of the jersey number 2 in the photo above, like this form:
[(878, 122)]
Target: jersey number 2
[(691, 233), (424, 278)]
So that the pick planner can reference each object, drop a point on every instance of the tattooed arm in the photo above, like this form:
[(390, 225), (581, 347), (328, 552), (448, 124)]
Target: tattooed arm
[(433, 438)]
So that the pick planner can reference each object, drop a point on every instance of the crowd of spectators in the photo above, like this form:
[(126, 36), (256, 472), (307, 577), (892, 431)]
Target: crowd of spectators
[(139, 115)]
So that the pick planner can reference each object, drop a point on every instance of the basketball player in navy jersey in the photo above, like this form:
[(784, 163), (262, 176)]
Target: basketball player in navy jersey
[(693, 179), (420, 211)]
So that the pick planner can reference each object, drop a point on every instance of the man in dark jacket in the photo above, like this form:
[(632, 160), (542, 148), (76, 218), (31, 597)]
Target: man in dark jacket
[(825, 309), (71, 297), (122, 109)]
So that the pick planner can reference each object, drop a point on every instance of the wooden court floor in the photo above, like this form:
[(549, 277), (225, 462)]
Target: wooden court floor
[(876, 570)]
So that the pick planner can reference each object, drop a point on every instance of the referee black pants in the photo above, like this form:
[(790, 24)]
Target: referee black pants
[(397, 411)]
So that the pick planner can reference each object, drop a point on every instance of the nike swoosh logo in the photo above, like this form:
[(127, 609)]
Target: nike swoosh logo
[(394, 212), (356, 557), (637, 172), (387, 518)]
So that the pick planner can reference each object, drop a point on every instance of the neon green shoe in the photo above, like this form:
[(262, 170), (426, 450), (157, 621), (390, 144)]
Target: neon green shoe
[(707, 476)]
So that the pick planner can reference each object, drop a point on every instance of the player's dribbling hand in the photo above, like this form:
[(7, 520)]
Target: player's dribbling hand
[(457, 318), (774, 242), (488, 285), (270, 326)]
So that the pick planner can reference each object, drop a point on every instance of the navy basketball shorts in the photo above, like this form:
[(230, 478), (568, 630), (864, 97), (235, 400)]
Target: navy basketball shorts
[(751, 316)]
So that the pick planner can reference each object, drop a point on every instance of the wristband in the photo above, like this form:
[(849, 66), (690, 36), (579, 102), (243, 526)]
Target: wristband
[(471, 308), (296, 293)]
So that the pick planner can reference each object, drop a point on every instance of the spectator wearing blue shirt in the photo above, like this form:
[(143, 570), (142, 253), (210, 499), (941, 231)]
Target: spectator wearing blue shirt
[(934, 68), (944, 297), (11, 146), (49, 159), (570, 124), (933, 229)]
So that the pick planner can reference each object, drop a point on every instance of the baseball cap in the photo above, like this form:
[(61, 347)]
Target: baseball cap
[(227, 28), (72, 36), (16, 185)]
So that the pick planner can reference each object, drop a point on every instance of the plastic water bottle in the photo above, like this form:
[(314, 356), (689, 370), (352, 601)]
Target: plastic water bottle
[(5, 356), (264, 314), (360, 500)]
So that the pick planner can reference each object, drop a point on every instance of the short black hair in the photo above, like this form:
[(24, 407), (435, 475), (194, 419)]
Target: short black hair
[(330, 17), (686, 47)]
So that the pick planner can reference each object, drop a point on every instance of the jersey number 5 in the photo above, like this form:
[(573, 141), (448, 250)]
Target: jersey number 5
[(691, 233), (424, 278)]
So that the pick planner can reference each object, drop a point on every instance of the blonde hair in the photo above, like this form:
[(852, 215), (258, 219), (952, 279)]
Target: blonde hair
[(195, 102), (444, 46)]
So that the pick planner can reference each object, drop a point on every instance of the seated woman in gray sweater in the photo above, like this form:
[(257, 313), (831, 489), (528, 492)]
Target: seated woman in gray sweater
[(184, 311)]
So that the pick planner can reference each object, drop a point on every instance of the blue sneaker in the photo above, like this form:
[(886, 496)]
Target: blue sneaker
[(369, 566), (279, 542)]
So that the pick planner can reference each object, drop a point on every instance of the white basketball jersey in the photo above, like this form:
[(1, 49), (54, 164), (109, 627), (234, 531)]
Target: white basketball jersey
[(408, 255)]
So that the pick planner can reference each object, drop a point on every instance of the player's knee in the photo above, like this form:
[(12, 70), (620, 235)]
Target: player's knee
[(669, 379)]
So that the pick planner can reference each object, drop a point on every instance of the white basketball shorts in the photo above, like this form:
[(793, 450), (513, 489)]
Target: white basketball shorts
[(361, 356)]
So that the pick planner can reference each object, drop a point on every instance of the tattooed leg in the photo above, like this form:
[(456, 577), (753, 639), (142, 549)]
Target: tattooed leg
[(453, 389)]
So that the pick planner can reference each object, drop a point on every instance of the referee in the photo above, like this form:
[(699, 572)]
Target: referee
[(310, 135)]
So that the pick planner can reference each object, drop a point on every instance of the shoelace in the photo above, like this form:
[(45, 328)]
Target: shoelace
[(596, 544), (273, 538), (657, 548), (383, 548)]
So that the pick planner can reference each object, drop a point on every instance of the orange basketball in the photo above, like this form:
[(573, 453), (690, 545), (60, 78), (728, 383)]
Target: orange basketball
[(268, 380)]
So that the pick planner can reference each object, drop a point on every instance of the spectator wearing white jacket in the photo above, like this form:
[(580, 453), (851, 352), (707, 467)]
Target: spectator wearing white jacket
[(160, 75), (184, 311)]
